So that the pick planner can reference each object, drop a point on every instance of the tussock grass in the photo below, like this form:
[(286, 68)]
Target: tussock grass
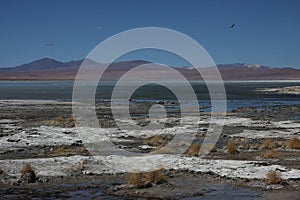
[(156, 141), (81, 167), (59, 119), (27, 174), (271, 154), (156, 176), (184, 144), (194, 149), (231, 147), (293, 143), (61, 151), (210, 147), (281, 143), (268, 144), (144, 179), (136, 179), (26, 169), (70, 119), (273, 177), (68, 151)]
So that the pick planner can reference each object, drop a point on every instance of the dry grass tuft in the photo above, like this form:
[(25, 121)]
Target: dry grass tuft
[(156, 141), (144, 179), (68, 151), (26, 169), (59, 119), (281, 143), (268, 144), (184, 144), (136, 179), (70, 119), (194, 149), (81, 167), (27, 174), (51, 122), (210, 147), (271, 154), (231, 147), (273, 177), (61, 151), (293, 143), (156, 176)]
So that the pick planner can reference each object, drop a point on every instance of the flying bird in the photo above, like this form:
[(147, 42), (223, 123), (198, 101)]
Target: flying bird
[(231, 26), (49, 44)]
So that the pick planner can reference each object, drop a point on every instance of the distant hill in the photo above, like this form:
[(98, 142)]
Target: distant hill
[(51, 69), (42, 64)]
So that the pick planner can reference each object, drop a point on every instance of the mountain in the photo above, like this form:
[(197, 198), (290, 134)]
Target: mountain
[(42, 64), (257, 72), (51, 69)]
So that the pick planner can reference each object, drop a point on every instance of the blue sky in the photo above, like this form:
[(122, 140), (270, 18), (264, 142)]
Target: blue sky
[(266, 32)]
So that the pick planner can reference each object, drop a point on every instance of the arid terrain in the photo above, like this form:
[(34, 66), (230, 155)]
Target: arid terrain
[(42, 155)]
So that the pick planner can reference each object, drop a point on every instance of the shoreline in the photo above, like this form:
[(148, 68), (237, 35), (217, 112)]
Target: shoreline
[(192, 81)]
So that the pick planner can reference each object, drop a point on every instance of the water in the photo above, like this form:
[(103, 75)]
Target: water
[(239, 94)]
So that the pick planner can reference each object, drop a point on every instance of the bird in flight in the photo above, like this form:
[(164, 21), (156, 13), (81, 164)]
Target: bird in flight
[(231, 26), (49, 44)]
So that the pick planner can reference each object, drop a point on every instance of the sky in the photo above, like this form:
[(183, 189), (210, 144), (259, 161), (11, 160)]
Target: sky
[(266, 32)]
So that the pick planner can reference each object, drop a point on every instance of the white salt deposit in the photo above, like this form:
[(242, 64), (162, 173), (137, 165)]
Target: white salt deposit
[(273, 133), (62, 166)]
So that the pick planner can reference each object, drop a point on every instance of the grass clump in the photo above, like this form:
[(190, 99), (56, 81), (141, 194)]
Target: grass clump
[(293, 143), (156, 141), (59, 119), (271, 154), (231, 147), (81, 167), (136, 179), (26, 169), (147, 179), (70, 119), (27, 174), (194, 149), (210, 147), (68, 151), (268, 144), (156, 176), (273, 177)]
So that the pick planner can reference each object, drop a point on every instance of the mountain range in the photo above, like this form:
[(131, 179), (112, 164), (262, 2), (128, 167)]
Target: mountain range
[(51, 69)]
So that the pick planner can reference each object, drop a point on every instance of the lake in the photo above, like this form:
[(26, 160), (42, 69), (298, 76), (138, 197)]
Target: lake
[(239, 94)]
